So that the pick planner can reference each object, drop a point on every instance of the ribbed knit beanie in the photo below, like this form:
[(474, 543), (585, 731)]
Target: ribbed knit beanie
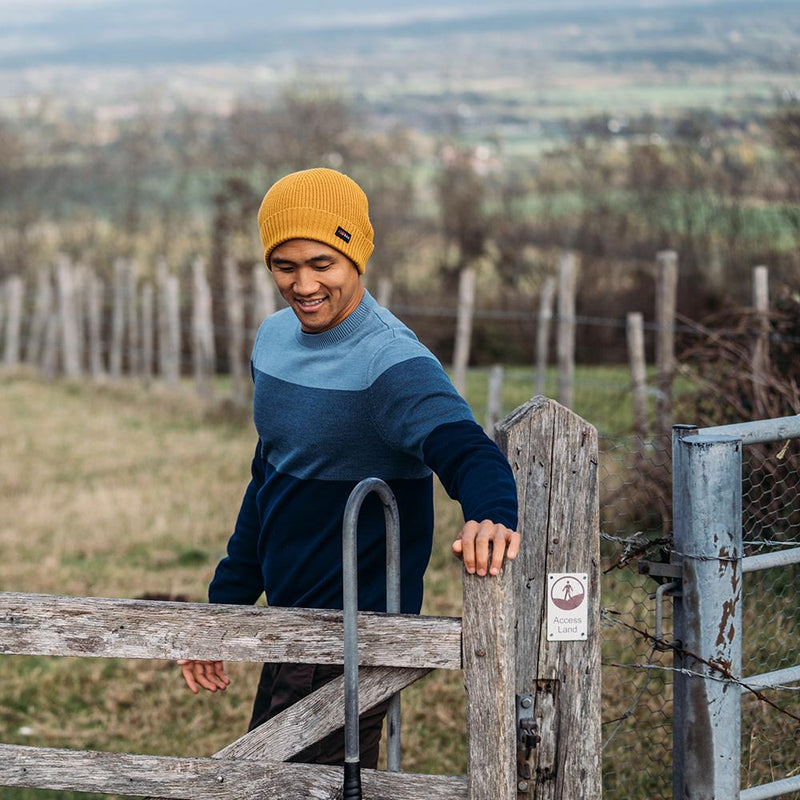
[(320, 204)]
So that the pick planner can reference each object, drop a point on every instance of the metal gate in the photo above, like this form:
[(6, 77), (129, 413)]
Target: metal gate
[(705, 578)]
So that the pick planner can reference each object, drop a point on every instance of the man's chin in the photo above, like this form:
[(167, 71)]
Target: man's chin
[(312, 324)]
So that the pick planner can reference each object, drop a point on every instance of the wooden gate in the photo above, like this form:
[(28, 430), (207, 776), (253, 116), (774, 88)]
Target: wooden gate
[(532, 705)]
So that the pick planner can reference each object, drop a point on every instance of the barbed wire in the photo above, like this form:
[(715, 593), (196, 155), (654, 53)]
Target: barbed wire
[(770, 543), (577, 319), (691, 673), (631, 709), (724, 674)]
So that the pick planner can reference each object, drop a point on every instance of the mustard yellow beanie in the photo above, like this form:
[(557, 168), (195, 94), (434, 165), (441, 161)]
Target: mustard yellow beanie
[(319, 204)]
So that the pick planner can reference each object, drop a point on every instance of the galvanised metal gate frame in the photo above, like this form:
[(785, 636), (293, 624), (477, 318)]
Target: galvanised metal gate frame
[(707, 568)]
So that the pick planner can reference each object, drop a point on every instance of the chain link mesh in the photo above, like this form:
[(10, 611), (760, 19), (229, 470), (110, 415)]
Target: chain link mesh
[(635, 520)]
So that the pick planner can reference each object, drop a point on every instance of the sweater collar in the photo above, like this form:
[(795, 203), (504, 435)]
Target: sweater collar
[(349, 325)]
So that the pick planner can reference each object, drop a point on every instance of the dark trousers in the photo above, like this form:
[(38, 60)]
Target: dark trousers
[(282, 685)]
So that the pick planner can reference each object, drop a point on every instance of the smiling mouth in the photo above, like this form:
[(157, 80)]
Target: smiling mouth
[(310, 305)]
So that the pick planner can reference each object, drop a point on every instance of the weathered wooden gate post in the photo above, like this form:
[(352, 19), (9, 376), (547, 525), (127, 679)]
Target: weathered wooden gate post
[(553, 453)]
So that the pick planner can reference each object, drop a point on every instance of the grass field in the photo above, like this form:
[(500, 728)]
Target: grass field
[(115, 491), (118, 492)]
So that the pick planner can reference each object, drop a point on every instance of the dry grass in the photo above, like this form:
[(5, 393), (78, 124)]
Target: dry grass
[(116, 491)]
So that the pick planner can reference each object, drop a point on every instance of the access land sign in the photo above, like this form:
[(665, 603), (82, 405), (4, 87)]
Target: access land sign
[(567, 607)]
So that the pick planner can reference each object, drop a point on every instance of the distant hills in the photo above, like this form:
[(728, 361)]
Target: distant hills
[(534, 53), (149, 32)]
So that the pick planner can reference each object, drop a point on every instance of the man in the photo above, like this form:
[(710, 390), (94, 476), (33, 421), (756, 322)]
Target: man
[(345, 391)]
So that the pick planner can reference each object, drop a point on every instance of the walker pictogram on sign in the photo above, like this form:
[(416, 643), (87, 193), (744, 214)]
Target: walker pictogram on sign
[(567, 606)]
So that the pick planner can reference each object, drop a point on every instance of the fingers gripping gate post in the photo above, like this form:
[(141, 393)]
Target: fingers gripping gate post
[(352, 768)]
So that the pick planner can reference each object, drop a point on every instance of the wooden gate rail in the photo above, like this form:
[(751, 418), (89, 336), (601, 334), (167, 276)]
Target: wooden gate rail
[(52, 625), (318, 714), (207, 778)]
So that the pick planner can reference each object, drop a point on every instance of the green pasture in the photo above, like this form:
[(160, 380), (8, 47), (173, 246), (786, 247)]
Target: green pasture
[(679, 214), (113, 490), (116, 491)]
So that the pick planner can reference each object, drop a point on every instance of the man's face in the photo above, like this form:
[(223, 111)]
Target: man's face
[(320, 284)]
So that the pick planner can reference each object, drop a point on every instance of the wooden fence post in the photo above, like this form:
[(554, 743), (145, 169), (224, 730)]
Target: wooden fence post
[(147, 334), (202, 332), (494, 399), (236, 324), (161, 316), (14, 290), (79, 306), (94, 314), (384, 291), (760, 356), (169, 325), (488, 623), (466, 309), (543, 332), (553, 454), (666, 298), (69, 324), (567, 268), (635, 333), (117, 320), (132, 297), (50, 345), (42, 311)]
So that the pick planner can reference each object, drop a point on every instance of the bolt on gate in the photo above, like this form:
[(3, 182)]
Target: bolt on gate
[(532, 702), (705, 580)]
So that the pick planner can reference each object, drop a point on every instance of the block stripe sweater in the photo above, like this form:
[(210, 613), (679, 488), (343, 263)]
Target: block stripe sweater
[(363, 399)]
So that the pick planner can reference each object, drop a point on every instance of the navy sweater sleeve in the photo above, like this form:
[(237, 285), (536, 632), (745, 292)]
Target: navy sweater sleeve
[(473, 471), (238, 577), (417, 410)]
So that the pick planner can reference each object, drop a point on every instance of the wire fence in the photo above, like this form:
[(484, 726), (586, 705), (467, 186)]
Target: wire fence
[(635, 514), (638, 670)]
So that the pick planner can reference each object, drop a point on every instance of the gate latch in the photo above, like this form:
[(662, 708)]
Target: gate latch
[(669, 577), (527, 738)]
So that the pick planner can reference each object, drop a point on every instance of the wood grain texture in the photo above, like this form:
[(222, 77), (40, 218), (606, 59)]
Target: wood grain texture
[(666, 302), (565, 329), (489, 617), (317, 715), (206, 778), (466, 310), (33, 624), (553, 454)]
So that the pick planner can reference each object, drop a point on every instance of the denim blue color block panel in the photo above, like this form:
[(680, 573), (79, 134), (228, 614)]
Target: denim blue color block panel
[(329, 435), (403, 415), (342, 435)]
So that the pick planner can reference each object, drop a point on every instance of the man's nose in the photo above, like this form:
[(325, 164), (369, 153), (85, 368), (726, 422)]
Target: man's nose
[(305, 281)]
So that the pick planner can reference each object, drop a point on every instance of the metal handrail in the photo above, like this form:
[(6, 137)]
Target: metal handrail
[(758, 431), (352, 757)]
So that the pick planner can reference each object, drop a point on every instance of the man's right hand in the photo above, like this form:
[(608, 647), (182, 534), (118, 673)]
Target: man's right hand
[(204, 674)]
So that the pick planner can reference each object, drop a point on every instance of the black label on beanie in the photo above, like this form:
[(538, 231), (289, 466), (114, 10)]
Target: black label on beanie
[(343, 234)]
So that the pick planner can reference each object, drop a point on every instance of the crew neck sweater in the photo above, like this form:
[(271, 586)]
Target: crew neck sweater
[(362, 399)]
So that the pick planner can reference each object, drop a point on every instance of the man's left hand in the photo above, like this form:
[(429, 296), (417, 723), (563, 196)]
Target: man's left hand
[(473, 543)]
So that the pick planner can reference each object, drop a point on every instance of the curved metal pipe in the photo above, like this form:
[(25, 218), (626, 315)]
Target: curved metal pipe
[(352, 755)]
